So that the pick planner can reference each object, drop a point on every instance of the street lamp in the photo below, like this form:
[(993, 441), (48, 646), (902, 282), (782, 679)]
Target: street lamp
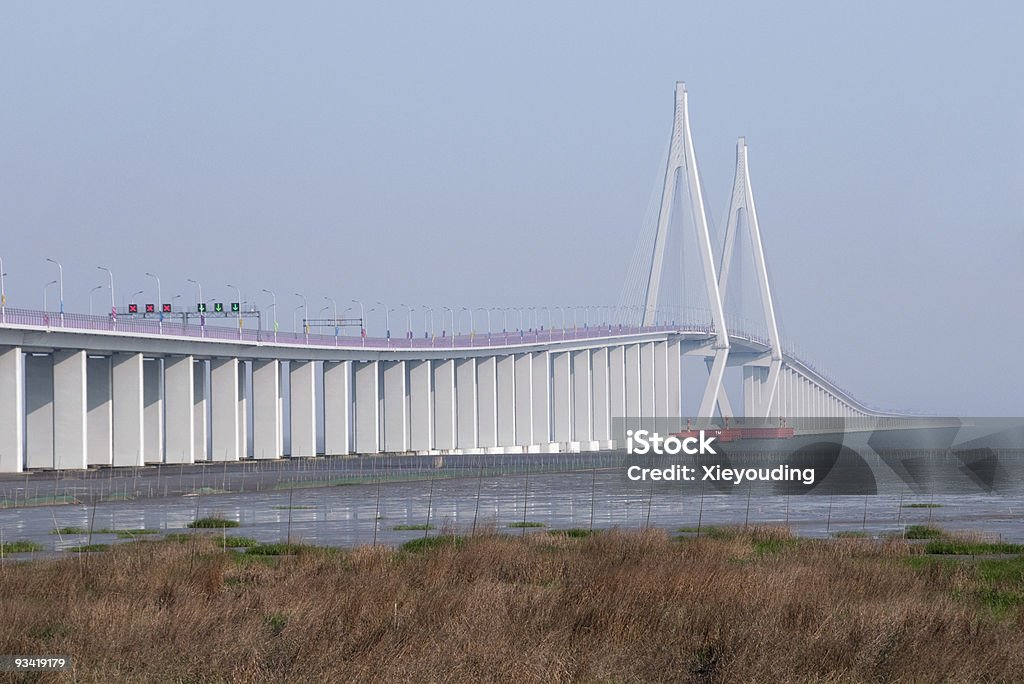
[(273, 297), (453, 322), (159, 300), (295, 326), (3, 293), (45, 288), (408, 325), (362, 322), (387, 321), (239, 293), (113, 304), (60, 277), (335, 318), (98, 287), (305, 314)]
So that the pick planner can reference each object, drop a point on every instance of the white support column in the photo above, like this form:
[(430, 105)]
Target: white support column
[(12, 405), (541, 400), (303, 408), (660, 384), (367, 406), (267, 402), (444, 404), (750, 394), (224, 409), (396, 420), (465, 392), (337, 407), (487, 401), (99, 411), (617, 385), (633, 384), (129, 425), (506, 390), (421, 409), (70, 424), (243, 411), (602, 427), (561, 397), (153, 411), (38, 411), (199, 404), (523, 399), (647, 389), (178, 409), (675, 405), (582, 398)]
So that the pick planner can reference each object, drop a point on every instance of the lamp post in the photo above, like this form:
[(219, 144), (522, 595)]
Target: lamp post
[(335, 318), (159, 300), (98, 287), (362, 322), (60, 279), (113, 304), (450, 311), (305, 314), (484, 308), (136, 294), (295, 326), (45, 288), (387, 322), (472, 326), (238, 292), (430, 311), (273, 305), (3, 293), (408, 322)]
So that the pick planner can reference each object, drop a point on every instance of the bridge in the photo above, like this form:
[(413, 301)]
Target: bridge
[(78, 391)]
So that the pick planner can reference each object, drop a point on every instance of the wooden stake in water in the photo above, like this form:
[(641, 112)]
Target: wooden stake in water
[(430, 501), (593, 491), (376, 513), (479, 486)]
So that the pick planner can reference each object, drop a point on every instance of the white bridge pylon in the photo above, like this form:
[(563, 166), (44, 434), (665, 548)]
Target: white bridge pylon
[(682, 159)]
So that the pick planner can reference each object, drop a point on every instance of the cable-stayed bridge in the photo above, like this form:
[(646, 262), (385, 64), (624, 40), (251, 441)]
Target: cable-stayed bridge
[(81, 390)]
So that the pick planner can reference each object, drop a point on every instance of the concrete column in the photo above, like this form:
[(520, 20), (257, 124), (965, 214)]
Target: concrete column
[(506, 401), (99, 411), (303, 405), (367, 407), (243, 411), (444, 404), (523, 399), (465, 394), (396, 417), (487, 401), (582, 409), (600, 387), (541, 397), (647, 387), (70, 423), (750, 387), (38, 411), (179, 401), (153, 411), (617, 384), (224, 421), (561, 396), (129, 425), (660, 379), (12, 406), (421, 409), (780, 393), (337, 407), (267, 404), (633, 384), (675, 405), (199, 403)]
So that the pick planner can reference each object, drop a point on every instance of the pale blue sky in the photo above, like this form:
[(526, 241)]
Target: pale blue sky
[(476, 154)]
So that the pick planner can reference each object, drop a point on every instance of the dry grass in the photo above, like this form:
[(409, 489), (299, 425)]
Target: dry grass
[(539, 607)]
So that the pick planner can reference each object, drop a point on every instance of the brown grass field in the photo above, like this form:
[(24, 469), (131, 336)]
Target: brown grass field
[(638, 606)]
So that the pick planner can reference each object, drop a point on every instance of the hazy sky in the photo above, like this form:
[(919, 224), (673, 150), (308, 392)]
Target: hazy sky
[(476, 154)]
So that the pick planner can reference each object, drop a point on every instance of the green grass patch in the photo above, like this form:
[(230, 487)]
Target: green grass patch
[(126, 534), (179, 537), (238, 542), (922, 505), (526, 523), (69, 530), (429, 543), (851, 534), (89, 547), (970, 548), (277, 622), (406, 528), (213, 523), (21, 546), (278, 549), (923, 532), (771, 546), (573, 533)]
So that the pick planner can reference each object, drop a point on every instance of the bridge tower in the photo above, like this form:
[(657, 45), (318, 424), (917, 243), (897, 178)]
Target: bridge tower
[(765, 372), (683, 160)]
